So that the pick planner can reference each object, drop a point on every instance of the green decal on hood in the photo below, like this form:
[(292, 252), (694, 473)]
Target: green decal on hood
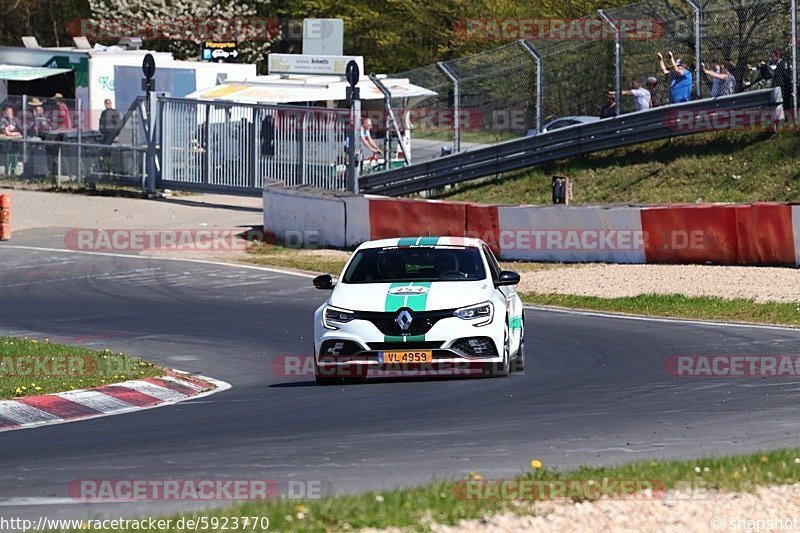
[(414, 301)]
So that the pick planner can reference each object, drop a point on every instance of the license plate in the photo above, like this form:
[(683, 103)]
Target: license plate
[(406, 356)]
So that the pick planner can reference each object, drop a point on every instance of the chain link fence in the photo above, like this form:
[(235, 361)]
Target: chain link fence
[(569, 68)]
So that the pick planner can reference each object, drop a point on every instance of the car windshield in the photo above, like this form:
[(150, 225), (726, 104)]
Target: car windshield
[(415, 263)]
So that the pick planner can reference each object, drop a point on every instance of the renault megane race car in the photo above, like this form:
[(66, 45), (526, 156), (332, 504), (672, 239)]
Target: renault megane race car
[(419, 301)]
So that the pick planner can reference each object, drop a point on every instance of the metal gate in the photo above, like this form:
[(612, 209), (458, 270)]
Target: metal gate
[(232, 147)]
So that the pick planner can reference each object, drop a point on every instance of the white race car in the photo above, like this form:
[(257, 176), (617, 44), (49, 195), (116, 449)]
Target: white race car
[(419, 302)]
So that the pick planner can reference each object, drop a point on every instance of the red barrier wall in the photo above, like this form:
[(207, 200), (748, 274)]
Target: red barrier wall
[(690, 234), (764, 235), (400, 218), (483, 223), (758, 234)]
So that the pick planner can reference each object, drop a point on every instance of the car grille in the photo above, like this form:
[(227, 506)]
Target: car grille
[(404, 345), (476, 347), (422, 321)]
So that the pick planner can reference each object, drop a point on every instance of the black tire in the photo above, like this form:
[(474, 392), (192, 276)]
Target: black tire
[(502, 369), (361, 375), (519, 361), (322, 379)]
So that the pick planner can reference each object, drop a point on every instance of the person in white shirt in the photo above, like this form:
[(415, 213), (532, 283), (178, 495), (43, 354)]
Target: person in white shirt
[(367, 140), (642, 97)]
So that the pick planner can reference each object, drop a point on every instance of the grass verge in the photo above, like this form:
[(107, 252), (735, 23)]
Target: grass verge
[(29, 367), (679, 306), (445, 502), (728, 166)]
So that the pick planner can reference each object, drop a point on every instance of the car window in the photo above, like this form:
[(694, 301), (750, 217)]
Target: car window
[(494, 266), (415, 263)]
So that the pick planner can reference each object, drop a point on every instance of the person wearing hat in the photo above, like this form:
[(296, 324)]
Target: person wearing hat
[(64, 118), (39, 124), (656, 98), (680, 78)]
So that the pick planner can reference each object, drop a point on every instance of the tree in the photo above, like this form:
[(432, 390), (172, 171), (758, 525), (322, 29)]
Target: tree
[(180, 26)]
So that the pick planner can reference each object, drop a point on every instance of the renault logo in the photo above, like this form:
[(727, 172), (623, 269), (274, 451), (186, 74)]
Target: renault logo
[(404, 319)]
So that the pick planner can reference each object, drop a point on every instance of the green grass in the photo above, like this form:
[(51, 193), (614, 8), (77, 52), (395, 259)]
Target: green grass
[(676, 305), (443, 502), (29, 367), (685, 169)]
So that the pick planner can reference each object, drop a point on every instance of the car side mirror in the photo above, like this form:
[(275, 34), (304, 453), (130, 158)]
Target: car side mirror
[(325, 282), (507, 277)]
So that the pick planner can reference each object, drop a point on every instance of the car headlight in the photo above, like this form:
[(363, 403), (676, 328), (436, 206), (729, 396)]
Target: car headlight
[(482, 312), (333, 315)]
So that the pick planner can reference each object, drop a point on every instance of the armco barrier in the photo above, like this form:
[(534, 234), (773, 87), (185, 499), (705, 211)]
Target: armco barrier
[(749, 234)]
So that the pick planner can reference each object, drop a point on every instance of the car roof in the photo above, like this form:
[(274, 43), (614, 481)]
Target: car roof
[(422, 241)]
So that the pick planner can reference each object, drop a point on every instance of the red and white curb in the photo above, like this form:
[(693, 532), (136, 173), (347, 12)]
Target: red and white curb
[(115, 399)]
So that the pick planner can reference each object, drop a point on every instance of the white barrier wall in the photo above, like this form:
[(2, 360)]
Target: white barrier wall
[(304, 220), (571, 234)]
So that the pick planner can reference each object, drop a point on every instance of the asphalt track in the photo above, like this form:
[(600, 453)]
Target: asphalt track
[(595, 390)]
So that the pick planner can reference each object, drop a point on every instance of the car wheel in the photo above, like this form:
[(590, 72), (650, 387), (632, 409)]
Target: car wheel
[(502, 369), (321, 378), (360, 375), (519, 360)]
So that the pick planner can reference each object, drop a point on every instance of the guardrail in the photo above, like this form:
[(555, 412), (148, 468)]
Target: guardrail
[(653, 124)]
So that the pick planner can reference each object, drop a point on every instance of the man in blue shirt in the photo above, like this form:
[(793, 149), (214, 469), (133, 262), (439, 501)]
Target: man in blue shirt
[(680, 79)]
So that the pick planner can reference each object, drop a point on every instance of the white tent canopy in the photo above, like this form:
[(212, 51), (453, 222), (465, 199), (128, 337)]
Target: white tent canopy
[(274, 89)]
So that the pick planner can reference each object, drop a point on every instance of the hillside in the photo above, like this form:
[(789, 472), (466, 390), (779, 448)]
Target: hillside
[(715, 167)]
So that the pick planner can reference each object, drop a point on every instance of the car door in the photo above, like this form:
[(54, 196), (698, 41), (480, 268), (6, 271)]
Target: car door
[(513, 302)]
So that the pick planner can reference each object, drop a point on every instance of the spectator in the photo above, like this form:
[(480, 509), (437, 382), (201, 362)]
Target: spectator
[(9, 125), (780, 72), (680, 79), (64, 118), (642, 97), (610, 108), (722, 81), (366, 137), (110, 122), (40, 124), (656, 96)]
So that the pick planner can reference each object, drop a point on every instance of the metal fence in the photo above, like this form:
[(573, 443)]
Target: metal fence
[(53, 139), (514, 89), (241, 147)]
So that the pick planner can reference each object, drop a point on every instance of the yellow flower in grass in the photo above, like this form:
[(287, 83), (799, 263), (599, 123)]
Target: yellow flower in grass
[(536, 464), (38, 389), (764, 459), (474, 476), (301, 508)]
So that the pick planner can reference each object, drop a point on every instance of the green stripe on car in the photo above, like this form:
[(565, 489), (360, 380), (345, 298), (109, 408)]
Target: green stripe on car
[(515, 323)]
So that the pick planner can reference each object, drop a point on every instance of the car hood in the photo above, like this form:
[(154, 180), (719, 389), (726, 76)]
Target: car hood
[(419, 296)]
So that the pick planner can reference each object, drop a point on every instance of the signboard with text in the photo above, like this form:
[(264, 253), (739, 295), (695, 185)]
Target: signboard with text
[(311, 64), (219, 51)]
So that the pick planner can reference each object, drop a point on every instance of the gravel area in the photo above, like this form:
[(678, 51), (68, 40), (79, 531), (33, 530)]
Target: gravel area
[(609, 281), (767, 508)]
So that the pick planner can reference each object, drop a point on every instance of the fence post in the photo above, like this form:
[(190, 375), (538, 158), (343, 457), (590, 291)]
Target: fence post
[(150, 183), (456, 103), (794, 61), (538, 58), (79, 163), (698, 14), (617, 59)]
